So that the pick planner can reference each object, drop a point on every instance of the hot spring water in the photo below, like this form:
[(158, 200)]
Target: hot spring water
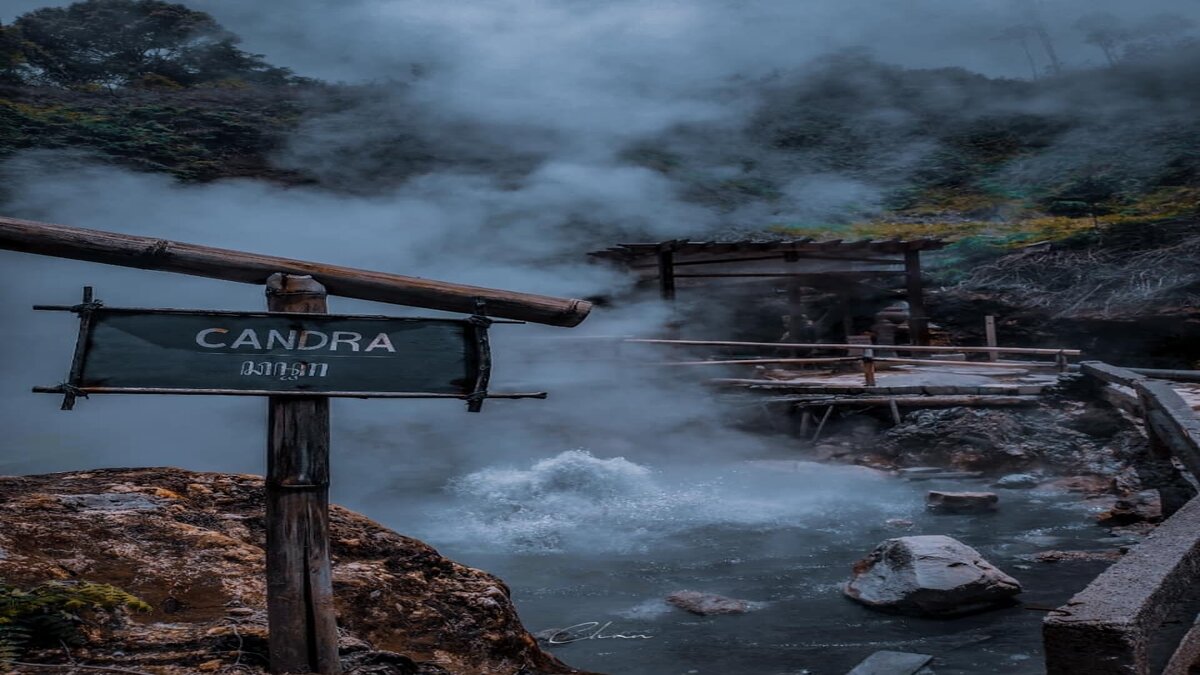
[(586, 540)]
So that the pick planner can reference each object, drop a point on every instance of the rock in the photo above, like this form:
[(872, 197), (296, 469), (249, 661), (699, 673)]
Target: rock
[(892, 663), (899, 523), (707, 604), (998, 441), (918, 473), (1092, 485), (961, 502), (826, 451), (111, 502), (1016, 481), (1141, 507), (197, 558), (1077, 556), (929, 575)]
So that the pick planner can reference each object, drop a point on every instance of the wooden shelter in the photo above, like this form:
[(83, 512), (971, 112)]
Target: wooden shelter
[(805, 265)]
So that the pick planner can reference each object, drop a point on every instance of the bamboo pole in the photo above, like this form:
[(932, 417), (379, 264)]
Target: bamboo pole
[(125, 250)]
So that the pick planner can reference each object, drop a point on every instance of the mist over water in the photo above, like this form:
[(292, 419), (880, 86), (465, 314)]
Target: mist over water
[(576, 503), (537, 117)]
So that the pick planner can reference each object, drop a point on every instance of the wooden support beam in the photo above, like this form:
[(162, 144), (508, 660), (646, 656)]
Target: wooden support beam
[(921, 401), (756, 362), (777, 256), (666, 274), (802, 276), (148, 253), (977, 364), (843, 347), (918, 323), (989, 329), (303, 635)]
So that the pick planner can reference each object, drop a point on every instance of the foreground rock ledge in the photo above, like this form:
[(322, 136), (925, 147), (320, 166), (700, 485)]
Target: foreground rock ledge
[(191, 544), (931, 575)]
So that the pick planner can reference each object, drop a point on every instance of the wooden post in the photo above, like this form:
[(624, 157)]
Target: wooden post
[(302, 623), (666, 274), (918, 324), (989, 328)]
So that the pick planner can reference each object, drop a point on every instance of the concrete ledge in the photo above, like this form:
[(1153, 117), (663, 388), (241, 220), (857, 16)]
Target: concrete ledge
[(1107, 628), (1172, 421)]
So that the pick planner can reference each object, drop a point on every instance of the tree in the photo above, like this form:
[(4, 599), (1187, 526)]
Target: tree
[(1103, 30), (117, 42), (11, 54)]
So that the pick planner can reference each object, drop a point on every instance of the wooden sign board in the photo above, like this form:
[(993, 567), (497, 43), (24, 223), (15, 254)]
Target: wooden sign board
[(166, 351)]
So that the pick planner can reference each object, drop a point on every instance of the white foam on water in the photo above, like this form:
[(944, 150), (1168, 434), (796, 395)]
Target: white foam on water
[(577, 502)]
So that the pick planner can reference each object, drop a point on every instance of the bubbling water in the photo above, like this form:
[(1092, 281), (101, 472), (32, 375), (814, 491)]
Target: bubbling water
[(577, 502)]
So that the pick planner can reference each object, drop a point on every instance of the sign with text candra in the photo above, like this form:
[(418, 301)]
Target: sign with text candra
[(183, 351)]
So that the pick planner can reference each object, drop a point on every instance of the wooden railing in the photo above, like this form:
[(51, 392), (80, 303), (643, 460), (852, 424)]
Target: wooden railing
[(865, 357)]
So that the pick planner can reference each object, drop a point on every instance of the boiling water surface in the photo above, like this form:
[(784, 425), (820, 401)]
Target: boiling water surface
[(582, 539)]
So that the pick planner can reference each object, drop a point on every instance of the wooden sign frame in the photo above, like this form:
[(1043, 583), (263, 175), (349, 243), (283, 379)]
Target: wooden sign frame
[(74, 387)]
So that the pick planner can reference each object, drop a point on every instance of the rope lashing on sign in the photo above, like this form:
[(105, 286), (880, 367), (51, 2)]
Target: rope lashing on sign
[(71, 390), (87, 307)]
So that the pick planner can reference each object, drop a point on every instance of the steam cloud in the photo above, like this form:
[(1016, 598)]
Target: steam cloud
[(541, 100)]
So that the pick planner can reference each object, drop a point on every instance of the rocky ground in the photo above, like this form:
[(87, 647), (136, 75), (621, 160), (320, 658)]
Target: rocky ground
[(1068, 442), (191, 545)]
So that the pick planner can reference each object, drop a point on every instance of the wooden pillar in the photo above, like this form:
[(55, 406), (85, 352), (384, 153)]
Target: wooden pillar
[(666, 274), (847, 317), (989, 329), (918, 323), (300, 613), (796, 329)]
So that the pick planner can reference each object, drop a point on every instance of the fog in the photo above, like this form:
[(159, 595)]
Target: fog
[(553, 94)]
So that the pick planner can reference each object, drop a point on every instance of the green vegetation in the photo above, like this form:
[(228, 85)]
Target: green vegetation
[(51, 614), (193, 135), (846, 146), (123, 43)]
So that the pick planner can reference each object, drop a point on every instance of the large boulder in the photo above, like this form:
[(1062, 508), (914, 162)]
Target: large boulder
[(930, 575), (191, 545)]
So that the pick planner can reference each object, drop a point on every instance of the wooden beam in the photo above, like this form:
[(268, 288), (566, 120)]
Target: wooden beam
[(778, 256), (301, 619), (921, 401), (148, 253), (979, 364), (666, 274), (159, 391), (762, 362), (812, 276), (918, 323), (989, 329), (817, 345)]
